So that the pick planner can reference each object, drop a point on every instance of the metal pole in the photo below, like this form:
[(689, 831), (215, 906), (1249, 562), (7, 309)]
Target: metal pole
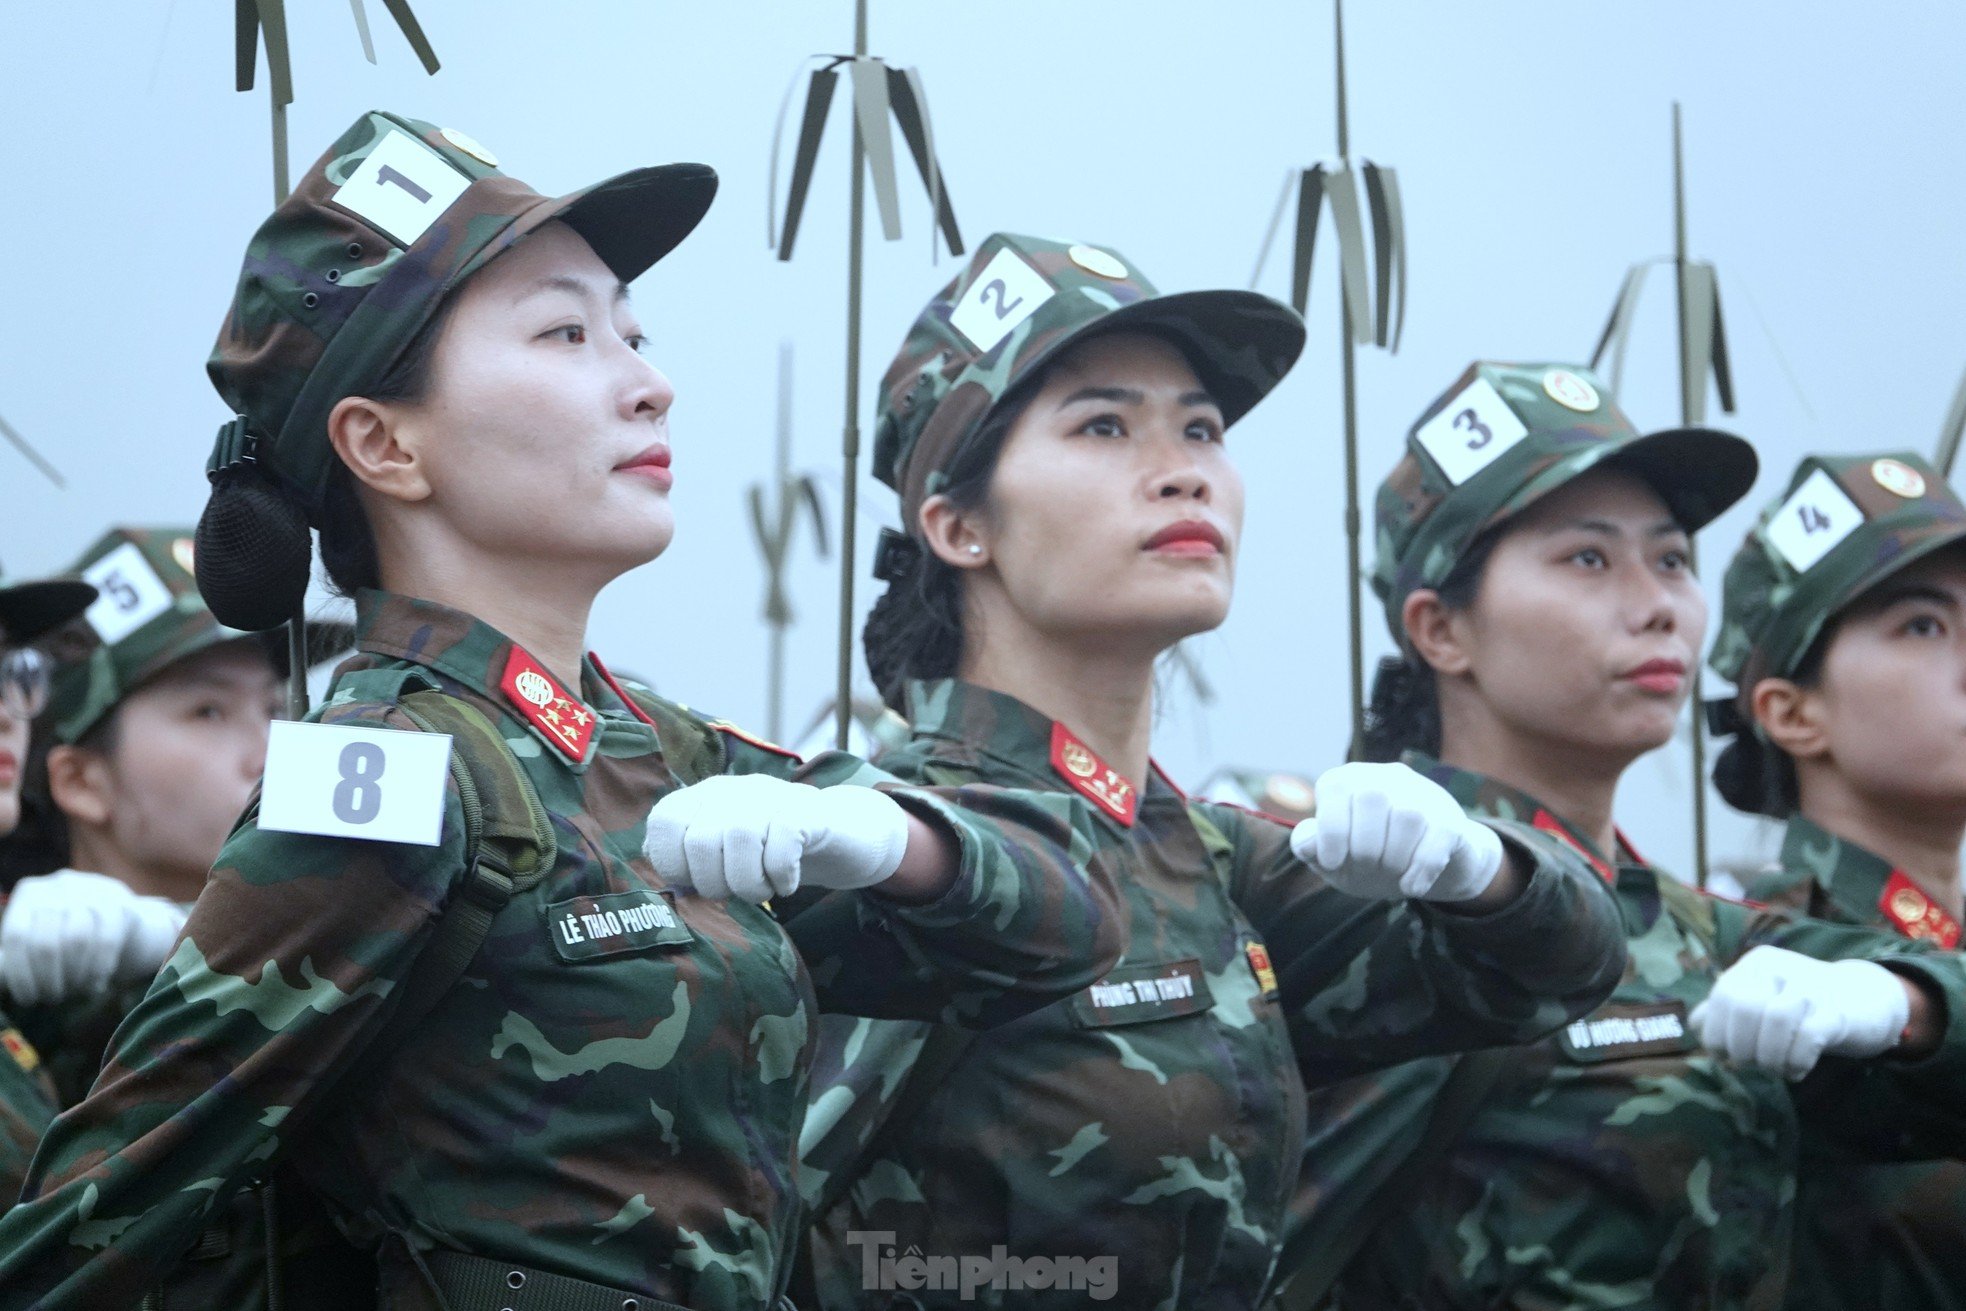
[(1692, 385), (850, 445), (1348, 357)]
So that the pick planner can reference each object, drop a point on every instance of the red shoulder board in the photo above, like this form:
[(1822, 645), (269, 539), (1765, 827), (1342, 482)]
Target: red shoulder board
[(543, 703), (1259, 965), (725, 726), (1549, 823), (1101, 784), (1905, 904)]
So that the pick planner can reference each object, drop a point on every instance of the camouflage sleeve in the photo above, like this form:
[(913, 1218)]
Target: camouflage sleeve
[(1030, 918), (1372, 984), (281, 977), (27, 1107), (859, 1069), (1925, 1097)]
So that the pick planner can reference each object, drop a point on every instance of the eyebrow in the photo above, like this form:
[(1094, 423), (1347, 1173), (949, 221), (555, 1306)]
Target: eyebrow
[(564, 282), (1892, 594), (1130, 396)]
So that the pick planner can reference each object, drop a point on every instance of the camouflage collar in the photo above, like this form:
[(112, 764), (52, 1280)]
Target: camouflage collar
[(976, 721), (1863, 885), (494, 666), (1493, 799)]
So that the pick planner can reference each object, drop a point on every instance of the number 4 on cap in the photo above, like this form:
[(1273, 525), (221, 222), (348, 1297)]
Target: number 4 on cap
[(340, 781)]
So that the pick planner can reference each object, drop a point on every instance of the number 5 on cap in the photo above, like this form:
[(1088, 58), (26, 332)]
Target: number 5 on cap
[(344, 782)]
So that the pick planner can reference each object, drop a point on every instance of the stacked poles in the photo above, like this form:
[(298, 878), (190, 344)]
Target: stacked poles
[(1371, 308), (1702, 354), (776, 508), (253, 20), (880, 91)]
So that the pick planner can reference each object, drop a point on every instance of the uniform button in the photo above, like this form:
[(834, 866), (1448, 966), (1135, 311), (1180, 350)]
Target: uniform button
[(630, 1304), (516, 1279)]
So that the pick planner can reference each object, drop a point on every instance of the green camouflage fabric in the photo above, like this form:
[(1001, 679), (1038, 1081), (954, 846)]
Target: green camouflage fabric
[(1845, 524), (1020, 302), (628, 1116), (1506, 435), (1868, 1234), (148, 615), (28, 1103), (1152, 1122), (1615, 1164), (340, 278)]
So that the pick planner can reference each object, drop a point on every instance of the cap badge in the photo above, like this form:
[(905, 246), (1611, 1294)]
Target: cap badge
[(1898, 478), (1092, 777), (1290, 793), (181, 552), (469, 145), (1567, 389), (1094, 260)]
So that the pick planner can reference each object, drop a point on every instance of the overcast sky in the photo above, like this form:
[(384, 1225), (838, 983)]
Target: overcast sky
[(1531, 139)]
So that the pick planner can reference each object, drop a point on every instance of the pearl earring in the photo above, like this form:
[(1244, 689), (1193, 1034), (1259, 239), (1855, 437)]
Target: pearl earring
[(974, 549)]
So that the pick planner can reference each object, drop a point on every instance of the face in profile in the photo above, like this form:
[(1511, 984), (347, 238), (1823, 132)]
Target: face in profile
[(1583, 633), (13, 754), (543, 432), (1888, 708), (1114, 512)]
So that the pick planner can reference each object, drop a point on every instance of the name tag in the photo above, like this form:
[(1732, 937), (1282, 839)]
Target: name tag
[(1136, 994), (589, 927), (1615, 1033)]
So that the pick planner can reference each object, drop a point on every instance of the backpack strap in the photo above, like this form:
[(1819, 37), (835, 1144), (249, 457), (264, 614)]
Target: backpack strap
[(1318, 1260)]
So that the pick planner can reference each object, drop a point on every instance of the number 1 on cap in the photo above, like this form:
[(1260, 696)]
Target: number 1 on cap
[(345, 782)]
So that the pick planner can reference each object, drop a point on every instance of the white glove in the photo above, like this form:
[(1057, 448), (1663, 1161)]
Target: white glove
[(71, 935), (753, 837), (1384, 832), (1781, 1010)]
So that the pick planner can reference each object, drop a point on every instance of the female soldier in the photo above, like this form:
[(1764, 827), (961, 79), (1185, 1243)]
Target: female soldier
[(440, 366), (1071, 514), (1534, 568), (1843, 627), (27, 1098)]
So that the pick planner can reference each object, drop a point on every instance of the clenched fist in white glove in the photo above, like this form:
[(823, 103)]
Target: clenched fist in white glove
[(70, 935), (1782, 1011), (754, 838), (1383, 832)]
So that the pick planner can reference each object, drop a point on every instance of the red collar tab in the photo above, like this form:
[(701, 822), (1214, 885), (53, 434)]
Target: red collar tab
[(1905, 904), (544, 704), (1550, 824), (626, 700), (1092, 777)]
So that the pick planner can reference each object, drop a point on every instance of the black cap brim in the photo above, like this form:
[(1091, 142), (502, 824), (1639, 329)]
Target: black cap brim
[(636, 218), (28, 610), (1264, 333), (1700, 473)]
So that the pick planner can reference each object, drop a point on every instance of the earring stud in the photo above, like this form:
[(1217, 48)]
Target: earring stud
[(974, 549)]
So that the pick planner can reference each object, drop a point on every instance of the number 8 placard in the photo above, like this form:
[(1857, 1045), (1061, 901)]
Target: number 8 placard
[(345, 782)]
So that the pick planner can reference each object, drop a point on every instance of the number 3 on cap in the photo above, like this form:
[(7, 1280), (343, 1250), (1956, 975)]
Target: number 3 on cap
[(339, 781)]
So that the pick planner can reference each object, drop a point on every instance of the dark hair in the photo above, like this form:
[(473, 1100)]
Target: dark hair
[(348, 551), (1751, 773), (1404, 711)]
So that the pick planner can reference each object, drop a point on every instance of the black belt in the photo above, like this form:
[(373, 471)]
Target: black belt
[(478, 1283)]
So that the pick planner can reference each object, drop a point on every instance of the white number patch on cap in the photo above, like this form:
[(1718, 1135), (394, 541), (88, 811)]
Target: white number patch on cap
[(1812, 521), (1471, 432), (345, 782), (1007, 292), (402, 188), (131, 593)]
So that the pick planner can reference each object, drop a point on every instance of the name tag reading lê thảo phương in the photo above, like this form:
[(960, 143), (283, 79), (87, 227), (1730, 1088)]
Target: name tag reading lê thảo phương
[(1136, 994), (585, 928)]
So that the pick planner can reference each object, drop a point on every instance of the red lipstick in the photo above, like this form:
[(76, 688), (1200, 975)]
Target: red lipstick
[(1663, 677), (1189, 537), (652, 464)]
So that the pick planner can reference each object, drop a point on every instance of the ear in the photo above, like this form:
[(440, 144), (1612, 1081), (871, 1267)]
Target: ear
[(1791, 716), (955, 536), (80, 784), (1435, 632), (379, 443)]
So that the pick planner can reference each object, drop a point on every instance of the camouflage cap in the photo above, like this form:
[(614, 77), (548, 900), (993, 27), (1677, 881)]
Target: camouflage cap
[(343, 274), (1506, 435), (1019, 303), (1845, 524), (146, 616)]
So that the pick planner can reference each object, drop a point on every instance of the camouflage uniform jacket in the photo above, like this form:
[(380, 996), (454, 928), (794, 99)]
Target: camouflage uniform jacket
[(1154, 1120), (1870, 1234), (27, 1105), (624, 1111), (1615, 1163)]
